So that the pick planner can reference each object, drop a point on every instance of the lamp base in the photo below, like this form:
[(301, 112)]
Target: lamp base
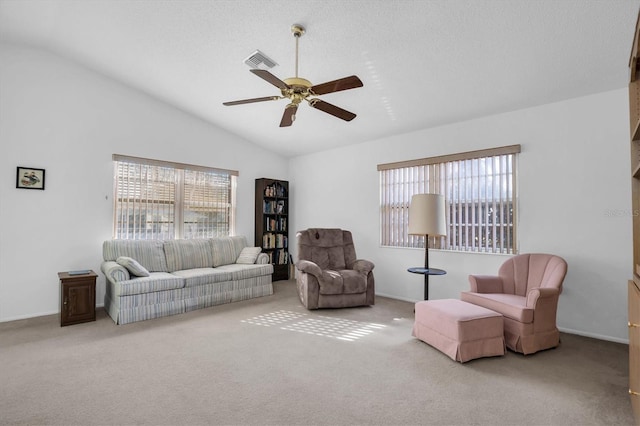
[(426, 272)]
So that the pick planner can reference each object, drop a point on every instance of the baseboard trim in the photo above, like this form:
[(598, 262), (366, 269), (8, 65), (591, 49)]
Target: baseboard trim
[(23, 317), (396, 298), (42, 314), (594, 335), (562, 329)]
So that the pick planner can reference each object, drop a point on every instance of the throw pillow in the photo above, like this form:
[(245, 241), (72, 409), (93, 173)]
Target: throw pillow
[(248, 255), (132, 266)]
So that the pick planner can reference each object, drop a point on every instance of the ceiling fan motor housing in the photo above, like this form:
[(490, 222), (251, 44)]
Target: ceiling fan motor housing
[(298, 89)]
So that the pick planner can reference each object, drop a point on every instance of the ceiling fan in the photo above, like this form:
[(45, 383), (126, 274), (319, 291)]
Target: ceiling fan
[(298, 89)]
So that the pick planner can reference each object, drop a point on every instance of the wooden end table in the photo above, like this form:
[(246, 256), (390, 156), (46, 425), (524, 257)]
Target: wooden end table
[(77, 297)]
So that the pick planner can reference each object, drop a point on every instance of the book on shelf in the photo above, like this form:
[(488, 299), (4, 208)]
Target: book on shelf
[(281, 241), (269, 240), (276, 190), (270, 224), (269, 207), (272, 240), (279, 257), (273, 207)]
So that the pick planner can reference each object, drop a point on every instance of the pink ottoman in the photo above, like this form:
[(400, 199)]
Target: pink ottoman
[(459, 329)]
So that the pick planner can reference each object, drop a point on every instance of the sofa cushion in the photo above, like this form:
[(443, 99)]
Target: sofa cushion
[(509, 305), (156, 281), (148, 253), (248, 255), (240, 272), (239, 242), (132, 266), (202, 276), (188, 254), (227, 249)]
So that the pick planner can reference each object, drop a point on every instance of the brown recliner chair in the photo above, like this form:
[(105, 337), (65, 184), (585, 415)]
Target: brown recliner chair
[(329, 274), (526, 293)]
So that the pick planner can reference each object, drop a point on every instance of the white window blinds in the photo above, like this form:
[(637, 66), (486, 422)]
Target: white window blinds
[(165, 200), (480, 193)]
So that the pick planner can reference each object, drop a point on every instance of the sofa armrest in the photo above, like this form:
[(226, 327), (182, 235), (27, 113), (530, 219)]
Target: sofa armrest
[(539, 294), (309, 267), (363, 266), (485, 284), (114, 272), (263, 259)]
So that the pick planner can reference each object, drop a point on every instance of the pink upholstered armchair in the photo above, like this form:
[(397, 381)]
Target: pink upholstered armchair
[(329, 273), (526, 293)]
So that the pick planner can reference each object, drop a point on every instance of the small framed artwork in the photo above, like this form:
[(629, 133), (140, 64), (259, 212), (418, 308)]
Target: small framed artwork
[(30, 178)]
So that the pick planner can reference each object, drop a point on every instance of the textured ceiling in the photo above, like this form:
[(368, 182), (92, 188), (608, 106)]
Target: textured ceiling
[(423, 63)]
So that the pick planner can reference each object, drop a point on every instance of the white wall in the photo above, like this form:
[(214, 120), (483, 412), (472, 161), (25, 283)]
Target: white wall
[(574, 201), (574, 186), (69, 120)]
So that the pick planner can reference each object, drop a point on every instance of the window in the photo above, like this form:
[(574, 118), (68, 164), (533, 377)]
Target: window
[(480, 193), (157, 200)]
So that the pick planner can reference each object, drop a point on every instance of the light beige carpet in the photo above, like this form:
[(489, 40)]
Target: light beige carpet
[(270, 361)]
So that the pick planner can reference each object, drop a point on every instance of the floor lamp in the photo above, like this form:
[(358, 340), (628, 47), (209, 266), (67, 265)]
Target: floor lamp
[(427, 217)]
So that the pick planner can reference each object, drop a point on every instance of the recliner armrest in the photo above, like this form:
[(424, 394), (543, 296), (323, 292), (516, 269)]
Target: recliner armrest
[(309, 267), (363, 266), (485, 284), (536, 294)]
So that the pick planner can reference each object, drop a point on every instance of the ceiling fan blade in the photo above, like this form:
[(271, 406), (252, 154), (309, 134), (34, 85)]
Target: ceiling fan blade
[(332, 109), (270, 78), (346, 83), (289, 115), (250, 101)]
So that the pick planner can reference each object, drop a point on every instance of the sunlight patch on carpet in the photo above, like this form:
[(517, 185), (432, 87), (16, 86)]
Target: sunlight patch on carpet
[(335, 328)]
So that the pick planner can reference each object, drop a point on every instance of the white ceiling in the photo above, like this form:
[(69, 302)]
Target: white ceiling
[(423, 63)]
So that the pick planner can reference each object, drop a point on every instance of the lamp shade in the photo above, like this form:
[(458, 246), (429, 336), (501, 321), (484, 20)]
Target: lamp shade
[(427, 215)]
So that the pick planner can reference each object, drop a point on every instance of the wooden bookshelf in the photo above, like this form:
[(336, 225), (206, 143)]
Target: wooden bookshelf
[(272, 224), (634, 284), (634, 130), (634, 348)]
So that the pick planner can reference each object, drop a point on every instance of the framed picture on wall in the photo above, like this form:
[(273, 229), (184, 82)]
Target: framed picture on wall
[(30, 178)]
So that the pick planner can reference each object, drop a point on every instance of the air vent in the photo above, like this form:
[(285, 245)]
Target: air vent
[(259, 60)]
